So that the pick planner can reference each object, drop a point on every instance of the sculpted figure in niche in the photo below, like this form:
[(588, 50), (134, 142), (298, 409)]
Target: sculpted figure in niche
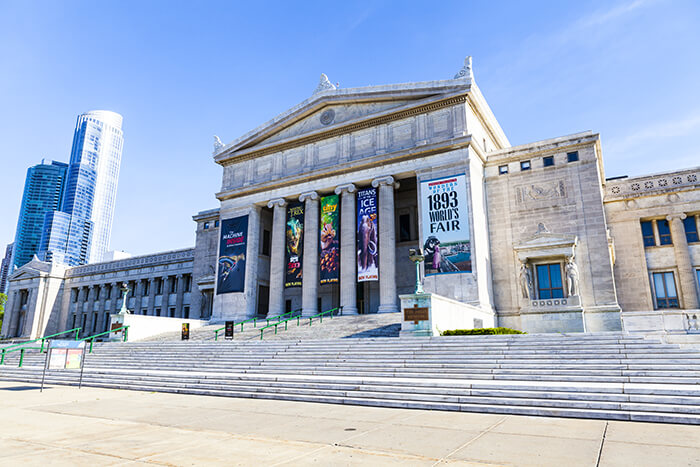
[(571, 277), (525, 281)]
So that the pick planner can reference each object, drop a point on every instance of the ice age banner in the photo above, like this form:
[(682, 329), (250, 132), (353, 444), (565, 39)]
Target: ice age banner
[(367, 251), (330, 247), (232, 250), (445, 228), (294, 240)]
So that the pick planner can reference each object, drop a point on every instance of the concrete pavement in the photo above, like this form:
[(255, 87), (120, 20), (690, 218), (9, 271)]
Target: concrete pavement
[(67, 426)]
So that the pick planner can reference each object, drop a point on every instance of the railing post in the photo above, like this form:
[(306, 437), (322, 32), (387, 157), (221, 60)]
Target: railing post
[(261, 333), (42, 346), (276, 328), (285, 325), (2, 359), (298, 318), (77, 333), (91, 341), (126, 333), (216, 335), (21, 357)]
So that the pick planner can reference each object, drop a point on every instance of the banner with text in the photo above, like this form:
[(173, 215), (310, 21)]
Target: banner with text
[(232, 251), (445, 228), (367, 251), (330, 246), (294, 240)]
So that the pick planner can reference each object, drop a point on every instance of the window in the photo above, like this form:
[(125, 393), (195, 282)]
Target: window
[(548, 161), (664, 232), (572, 156), (72, 326), (665, 290), (549, 283), (132, 286), (105, 325), (82, 324), (188, 282), (157, 311), (186, 312), (525, 165), (159, 286), (287, 306), (206, 225), (173, 285), (74, 293), (648, 233), (146, 287), (216, 223), (266, 243), (144, 311), (502, 169), (171, 312), (691, 229), (404, 227), (94, 322)]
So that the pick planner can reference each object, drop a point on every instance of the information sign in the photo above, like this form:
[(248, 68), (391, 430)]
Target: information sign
[(228, 333), (185, 331), (64, 355)]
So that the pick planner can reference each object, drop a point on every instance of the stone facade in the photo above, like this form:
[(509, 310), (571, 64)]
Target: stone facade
[(553, 246)]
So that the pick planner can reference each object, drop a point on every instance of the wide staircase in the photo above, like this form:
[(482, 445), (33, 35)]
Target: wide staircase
[(609, 376)]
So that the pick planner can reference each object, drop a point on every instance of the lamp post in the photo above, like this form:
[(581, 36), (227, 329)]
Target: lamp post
[(125, 290), (416, 255)]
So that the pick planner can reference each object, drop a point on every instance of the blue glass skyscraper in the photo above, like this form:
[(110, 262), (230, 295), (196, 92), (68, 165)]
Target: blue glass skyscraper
[(43, 193), (79, 232)]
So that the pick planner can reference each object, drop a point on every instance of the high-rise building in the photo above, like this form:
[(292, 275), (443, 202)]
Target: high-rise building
[(79, 232), (6, 268), (43, 193)]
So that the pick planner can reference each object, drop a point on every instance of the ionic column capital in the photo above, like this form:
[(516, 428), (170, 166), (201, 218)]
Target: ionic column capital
[(281, 202), (312, 195), (348, 187), (680, 216), (387, 180)]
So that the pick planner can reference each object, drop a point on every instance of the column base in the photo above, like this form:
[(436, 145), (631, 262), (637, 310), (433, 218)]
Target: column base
[(388, 309), (349, 311), (306, 312)]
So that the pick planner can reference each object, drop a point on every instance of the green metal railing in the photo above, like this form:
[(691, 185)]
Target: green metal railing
[(24, 345), (298, 318), (255, 322), (125, 335)]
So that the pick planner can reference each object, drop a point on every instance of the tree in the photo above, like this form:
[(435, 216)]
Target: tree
[(3, 299)]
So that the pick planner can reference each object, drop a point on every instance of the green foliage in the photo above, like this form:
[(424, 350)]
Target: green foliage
[(3, 299), (480, 332)]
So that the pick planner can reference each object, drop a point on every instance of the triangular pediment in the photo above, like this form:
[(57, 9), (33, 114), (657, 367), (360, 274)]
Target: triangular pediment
[(337, 108)]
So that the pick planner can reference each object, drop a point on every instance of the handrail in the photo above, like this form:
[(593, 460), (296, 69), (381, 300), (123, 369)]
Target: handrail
[(255, 324), (92, 338), (21, 346), (298, 318)]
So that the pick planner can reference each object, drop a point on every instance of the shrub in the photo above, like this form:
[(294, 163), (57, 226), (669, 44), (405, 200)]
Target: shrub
[(480, 332)]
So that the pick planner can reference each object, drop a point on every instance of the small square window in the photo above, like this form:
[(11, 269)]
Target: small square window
[(525, 165), (548, 161), (206, 225), (572, 156), (502, 169), (216, 223)]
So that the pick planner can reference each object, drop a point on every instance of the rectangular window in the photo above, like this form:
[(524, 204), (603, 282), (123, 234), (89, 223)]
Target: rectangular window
[(216, 223), (94, 322), (665, 290), (159, 286), (82, 324), (206, 225), (171, 312), (404, 227), (664, 232), (186, 312), (502, 169), (266, 242), (173, 285), (188, 283), (72, 326), (648, 233), (548, 161), (549, 283), (572, 156), (691, 229), (105, 326), (75, 296), (287, 306), (132, 286), (525, 165), (144, 311), (157, 311), (146, 286)]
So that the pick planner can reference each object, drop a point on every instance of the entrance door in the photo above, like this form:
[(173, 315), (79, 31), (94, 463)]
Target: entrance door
[(263, 300)]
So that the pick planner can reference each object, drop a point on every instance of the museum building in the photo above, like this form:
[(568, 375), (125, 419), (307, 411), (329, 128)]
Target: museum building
[(320, 206)]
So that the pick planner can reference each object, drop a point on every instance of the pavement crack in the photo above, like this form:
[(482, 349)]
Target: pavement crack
[(602, 441)]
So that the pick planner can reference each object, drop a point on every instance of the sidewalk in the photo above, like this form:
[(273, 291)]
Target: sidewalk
[(90, 426)]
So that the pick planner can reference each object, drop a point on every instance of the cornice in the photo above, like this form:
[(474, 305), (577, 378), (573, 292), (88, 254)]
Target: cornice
[(380, 159), (176, 256), (231, 158)]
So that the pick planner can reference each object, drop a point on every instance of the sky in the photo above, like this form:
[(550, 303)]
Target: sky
[(180, 72)]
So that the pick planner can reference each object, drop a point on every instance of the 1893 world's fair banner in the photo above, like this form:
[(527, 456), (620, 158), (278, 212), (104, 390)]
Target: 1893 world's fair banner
[(294, 241), (232, 251), (445, 225), (367, 251), (330, 246)]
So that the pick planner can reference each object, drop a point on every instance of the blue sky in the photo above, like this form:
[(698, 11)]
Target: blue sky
[(180, 72)]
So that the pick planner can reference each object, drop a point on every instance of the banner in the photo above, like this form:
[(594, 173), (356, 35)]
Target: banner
[(294, 240), (330, 247), (232, 251), (367, 251), (445, 228)]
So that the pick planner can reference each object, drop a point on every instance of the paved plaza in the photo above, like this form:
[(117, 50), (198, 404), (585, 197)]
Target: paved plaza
[(89, 426)]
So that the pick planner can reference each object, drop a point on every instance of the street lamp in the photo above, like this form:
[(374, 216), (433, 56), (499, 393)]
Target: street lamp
[(416, 255), (125, 290)]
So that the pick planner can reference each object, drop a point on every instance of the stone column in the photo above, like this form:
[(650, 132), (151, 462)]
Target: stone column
[(92, 290), (164, 299), (139, 295), (151, 296), (103, 308), (16, 310), (348, 249), (686, 274), (387, 245), (277, 256), (180, 295), (309, 272)]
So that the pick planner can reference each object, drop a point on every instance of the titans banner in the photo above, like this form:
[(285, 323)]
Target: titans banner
[(367, 252), (232, 249), (445, 228), (294, 240), (330, 247)]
